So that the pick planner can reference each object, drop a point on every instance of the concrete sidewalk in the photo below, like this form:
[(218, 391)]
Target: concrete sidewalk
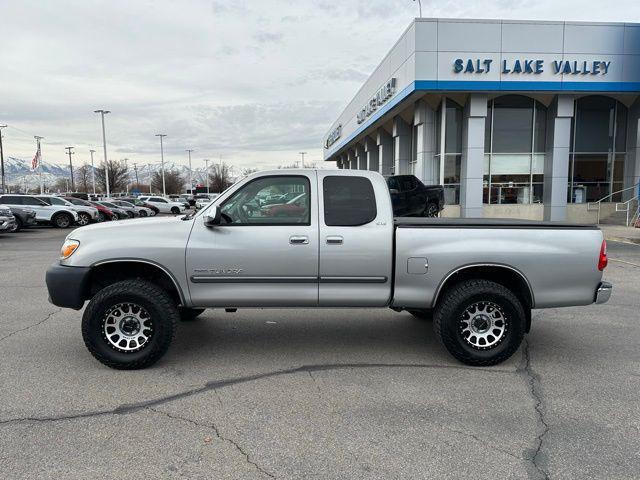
[(619, 233)]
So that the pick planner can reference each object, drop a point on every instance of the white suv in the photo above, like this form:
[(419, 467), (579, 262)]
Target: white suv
[(164, 205), (86, 215), (57, 215)]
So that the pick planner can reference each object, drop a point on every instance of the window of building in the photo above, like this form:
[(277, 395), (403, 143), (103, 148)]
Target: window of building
[(515, 138), (348, 201), (598, 149), (449, 158)]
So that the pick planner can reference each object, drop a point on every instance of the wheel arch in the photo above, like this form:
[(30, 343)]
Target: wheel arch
[(107, 272), (505, 275)]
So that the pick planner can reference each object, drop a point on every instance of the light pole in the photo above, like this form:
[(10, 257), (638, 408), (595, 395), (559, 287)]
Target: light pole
[(302, 154), (164, 189), (2, 159), (206, 172), (39, 160), (69, 152), (419, 7), (126, 178), (190, 175), (104, 146), (135, 169), (93, 172), (149, 167)]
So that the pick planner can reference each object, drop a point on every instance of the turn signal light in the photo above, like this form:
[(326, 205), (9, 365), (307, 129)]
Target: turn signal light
[(68, 248), (602, 260)]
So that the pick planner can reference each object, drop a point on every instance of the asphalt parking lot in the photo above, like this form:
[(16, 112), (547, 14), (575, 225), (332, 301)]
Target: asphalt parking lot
[(316, 394)]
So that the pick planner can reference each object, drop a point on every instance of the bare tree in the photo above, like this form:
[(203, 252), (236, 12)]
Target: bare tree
[(118, 176), (83, 178), (60, 185), (174, 182), (220, 177)]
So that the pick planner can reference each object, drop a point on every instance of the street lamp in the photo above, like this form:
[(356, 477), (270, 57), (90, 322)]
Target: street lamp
[(419, 6), (164, 189), (206, 172), (302, 154), (2, 159), (190, 175), (104, 146)]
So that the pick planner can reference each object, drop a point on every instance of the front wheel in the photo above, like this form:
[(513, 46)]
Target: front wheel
[(101, 217), (175, 210), (129, 324), (143, 213), (480, 322), (17, 226)]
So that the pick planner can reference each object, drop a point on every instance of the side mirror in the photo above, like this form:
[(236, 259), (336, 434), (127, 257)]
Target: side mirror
[(213, 217), (394, 191)]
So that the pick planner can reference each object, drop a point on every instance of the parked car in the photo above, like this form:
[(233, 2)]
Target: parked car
[(179, 199), (59, 216), (189, 198), (7, 220), (25, 217), (139, 211), (164, 205), (412, 198), (86, 214), (139, 203), (104, 213), (296, 206), (120, 212), (345, 249)]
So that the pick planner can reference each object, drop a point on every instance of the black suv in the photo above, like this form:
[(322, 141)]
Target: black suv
[(412, 198)]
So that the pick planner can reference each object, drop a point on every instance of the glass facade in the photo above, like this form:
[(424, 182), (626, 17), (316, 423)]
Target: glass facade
[(515, 138), (452, 151), (598, 149)]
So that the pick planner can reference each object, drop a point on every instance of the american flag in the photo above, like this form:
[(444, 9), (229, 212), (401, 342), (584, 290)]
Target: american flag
[(36, 160)]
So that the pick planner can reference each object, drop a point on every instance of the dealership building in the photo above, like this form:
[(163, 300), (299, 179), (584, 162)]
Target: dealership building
[(520, 119)]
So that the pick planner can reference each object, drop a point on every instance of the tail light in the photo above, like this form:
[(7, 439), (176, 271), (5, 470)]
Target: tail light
[(602, 260)]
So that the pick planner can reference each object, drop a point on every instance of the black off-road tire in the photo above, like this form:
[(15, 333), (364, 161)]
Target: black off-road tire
[(425, 314), (447, 321), (161, 308), (62, 220), (431, 210), (189, 314)]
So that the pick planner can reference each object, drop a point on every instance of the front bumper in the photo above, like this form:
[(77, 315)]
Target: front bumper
[(603, 292), (68, 286)]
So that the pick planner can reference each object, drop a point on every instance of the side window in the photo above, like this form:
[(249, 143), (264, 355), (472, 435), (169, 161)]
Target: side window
[(348, 201), (277, 200), (56, 201), (392, 183), (32, 201), (407, 184), (11, 200)]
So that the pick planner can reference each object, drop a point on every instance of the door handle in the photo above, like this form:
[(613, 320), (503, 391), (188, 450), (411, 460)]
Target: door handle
[(334, 240), (298, 240)]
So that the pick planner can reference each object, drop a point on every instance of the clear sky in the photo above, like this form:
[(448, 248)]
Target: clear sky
[(253, 81)]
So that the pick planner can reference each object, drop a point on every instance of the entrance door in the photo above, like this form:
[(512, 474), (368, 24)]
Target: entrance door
[(266, 254)]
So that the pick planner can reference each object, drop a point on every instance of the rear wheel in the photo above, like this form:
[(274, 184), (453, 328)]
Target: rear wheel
[(130, 324), (17, 226), (480, 322), (130, 214), (143, 213), (101, 217), (83, 219), (431, 210), (62, 220)]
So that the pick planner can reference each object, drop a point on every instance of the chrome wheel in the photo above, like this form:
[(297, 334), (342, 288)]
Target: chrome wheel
[(83, 219), (127, 327), (483, 325)]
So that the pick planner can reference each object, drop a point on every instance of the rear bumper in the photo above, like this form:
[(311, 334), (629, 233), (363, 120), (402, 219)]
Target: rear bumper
[(67, 286), (603, 292)]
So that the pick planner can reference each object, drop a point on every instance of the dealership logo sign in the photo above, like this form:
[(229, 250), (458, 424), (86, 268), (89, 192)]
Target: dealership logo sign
[(533, 66), (333, 137), (381, 96)]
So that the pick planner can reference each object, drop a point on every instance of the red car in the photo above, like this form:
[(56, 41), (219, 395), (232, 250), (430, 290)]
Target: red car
[(103, 212), (296, 207)]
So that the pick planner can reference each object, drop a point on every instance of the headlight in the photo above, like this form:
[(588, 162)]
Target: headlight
[(68, 248)]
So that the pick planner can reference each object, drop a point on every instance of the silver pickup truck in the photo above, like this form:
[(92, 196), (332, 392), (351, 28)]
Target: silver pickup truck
[(322, 238)]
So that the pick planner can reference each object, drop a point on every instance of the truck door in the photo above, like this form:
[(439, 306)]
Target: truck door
[(266, 254), (356, 240)]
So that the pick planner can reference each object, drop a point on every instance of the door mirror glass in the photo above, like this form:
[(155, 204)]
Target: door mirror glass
[(212, 217)]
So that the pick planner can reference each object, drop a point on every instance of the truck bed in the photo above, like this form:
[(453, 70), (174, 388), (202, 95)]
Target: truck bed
[(501, 223)]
